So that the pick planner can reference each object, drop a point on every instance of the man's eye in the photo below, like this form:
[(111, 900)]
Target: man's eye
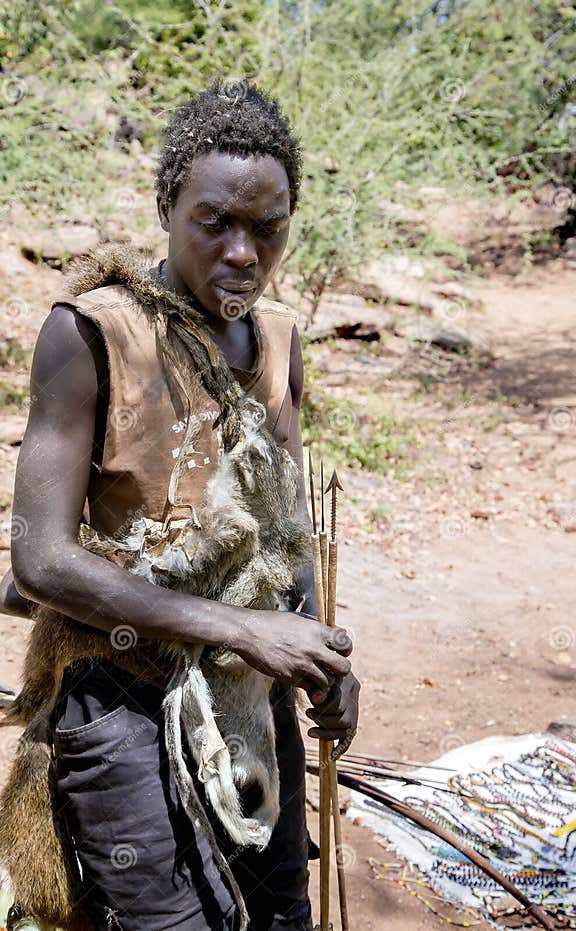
[(266, 231), (213, 225)]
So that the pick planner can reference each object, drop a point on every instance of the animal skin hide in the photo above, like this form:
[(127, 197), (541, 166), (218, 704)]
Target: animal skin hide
[(242, 547)]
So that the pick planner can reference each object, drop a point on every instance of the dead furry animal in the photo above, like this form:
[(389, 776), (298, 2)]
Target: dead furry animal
[(242, 547)]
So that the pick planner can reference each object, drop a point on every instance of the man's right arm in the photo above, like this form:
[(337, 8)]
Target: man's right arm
[(50, 566)]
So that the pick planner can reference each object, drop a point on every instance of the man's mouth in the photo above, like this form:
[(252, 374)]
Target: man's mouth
[(236, 287)]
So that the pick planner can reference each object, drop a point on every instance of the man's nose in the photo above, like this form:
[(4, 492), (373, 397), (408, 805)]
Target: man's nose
[(240, 250)]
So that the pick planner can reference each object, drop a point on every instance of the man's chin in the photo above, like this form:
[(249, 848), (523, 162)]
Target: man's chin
[(230, 305)]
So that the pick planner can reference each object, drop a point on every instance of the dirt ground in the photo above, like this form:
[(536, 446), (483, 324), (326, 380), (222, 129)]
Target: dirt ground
[(458, 593)]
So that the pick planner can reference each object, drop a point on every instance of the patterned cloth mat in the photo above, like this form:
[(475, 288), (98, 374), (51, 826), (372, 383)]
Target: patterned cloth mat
[(511, 798)]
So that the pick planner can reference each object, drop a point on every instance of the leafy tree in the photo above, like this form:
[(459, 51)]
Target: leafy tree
[(388, 97)]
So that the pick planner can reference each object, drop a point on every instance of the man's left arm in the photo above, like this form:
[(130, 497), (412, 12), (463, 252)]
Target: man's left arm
[(304, 583), (336, 715)]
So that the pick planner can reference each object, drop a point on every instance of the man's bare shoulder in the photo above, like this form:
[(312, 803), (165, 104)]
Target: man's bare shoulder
[(66, 355)]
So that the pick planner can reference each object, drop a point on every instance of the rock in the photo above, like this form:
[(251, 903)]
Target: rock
[(347, 316), (71, 239), (564, 727), (422, 330), (569, 250), (406, 265), (13, 263), (336, 379), (378, 282), (330, 165), (457, 292), (12, 427)]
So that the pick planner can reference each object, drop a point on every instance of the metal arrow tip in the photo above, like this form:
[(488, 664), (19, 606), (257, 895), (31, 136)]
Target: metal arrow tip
[(334, 482)]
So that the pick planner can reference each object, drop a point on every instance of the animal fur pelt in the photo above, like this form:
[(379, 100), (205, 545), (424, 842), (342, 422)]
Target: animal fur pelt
[(243, 546), (174, 317)]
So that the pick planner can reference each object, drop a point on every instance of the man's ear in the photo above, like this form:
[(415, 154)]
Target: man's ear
[(163, 213)]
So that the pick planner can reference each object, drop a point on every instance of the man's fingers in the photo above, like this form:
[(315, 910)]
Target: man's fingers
[(330, 721), (318, 680), (336, 664), (317, 697), (332, 703), (340, 641), (329, 733)]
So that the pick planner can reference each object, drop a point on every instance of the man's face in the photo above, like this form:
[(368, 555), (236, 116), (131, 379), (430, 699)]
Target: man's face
[(228, 230)]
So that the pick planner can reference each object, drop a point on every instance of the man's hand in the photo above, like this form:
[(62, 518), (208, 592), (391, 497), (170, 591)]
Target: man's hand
[(336, 715), (294, 649)]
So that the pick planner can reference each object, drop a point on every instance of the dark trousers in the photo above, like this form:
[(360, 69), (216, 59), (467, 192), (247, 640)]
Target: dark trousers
[(145, 866)]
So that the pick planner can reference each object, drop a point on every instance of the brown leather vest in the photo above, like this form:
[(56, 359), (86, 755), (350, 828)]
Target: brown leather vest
[(146, 409)]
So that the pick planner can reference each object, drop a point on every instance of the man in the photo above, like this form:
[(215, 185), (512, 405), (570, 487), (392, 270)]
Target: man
[(228, 183)]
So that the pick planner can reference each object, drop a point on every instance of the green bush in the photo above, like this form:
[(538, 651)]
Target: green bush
[(387, 96)]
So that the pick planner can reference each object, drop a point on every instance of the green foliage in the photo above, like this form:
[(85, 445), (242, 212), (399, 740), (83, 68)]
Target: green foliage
[(12, 399), (365, 435), (346, 434), (12, 354), (387, 96)]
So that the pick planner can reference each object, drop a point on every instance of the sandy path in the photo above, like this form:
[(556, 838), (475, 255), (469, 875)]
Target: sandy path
[(468, 631)]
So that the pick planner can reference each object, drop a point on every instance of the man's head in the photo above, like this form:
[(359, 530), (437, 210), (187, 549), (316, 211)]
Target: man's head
[(227, 185)]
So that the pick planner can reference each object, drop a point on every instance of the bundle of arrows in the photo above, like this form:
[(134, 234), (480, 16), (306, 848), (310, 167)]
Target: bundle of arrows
[(325, 562)]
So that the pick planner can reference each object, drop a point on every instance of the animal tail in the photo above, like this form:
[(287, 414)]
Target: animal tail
[(189, 797), (215, 763), (35, 847)]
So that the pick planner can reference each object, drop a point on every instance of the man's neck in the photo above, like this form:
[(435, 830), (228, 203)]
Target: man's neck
[(172, 280)]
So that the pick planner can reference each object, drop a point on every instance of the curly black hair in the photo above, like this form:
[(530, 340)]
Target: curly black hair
[(227, 117)]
